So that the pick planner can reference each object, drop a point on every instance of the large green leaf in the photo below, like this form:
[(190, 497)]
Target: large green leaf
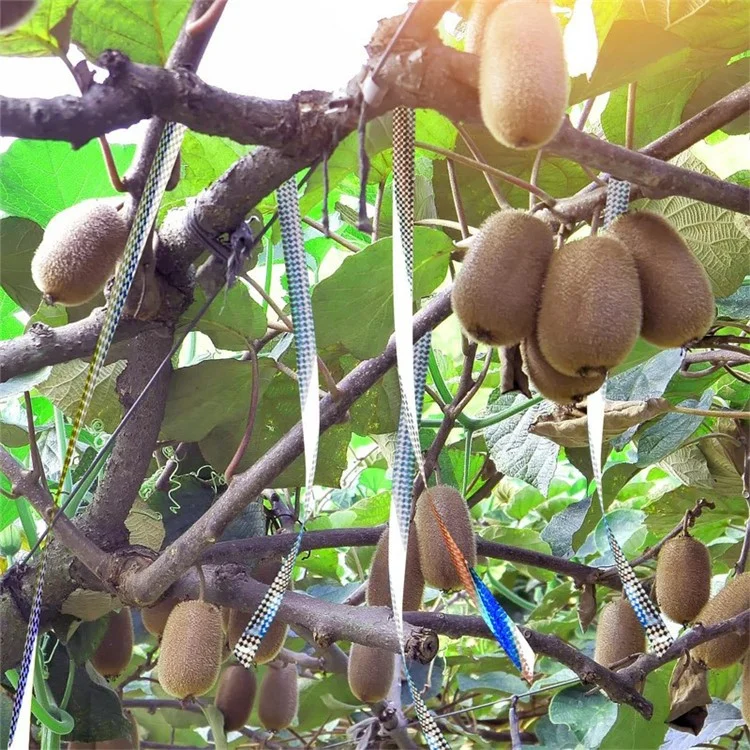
[(10, 325), (41, 178), (711, 233), (144, 30), (38, 36), (232, 320), (589, 717), (353, 308), (19, 238)]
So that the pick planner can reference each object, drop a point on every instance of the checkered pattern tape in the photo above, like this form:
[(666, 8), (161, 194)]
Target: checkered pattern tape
[(648, 614), (148, 207), (295, 260)]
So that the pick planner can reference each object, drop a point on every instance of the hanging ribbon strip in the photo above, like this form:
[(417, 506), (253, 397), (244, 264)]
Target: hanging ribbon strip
[(648, 614), (307, 374), (401, 505), (148, 207)]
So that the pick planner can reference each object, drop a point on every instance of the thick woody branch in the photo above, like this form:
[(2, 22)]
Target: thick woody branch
[(42, 345), (148, 585)]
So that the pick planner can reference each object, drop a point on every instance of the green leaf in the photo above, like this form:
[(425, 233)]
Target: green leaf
[(64, 388), (720, 83), (710, 232), (493, 682), (41, 178), (93, 704), (233, 319), (361, 290), (10, 326), (19, 238), (20, 383), (514, 450), (736, 305), (36, 37), (589, 717), (322, 700), (144, 30), (631, 731)]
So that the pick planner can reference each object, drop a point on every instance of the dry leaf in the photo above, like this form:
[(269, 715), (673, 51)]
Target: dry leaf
[(571, 431), (688, 695), (587, 605), (89, 605)]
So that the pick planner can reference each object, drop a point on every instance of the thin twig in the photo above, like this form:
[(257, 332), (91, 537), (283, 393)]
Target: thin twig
[(350, 246), (457, 202), (534, 177), (630, 115), (36, 457), (588, 105), (500, 199), (254, 398)]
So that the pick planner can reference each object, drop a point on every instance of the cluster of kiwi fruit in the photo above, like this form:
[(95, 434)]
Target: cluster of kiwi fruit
[(197, 637), (682, 588), (79, 251), (577, 311), (371, 670), (523, 79)]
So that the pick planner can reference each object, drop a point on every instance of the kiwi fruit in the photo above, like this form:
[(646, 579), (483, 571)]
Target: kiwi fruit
[(15, 12), (683, 578), (437, 567), (79, 251), (478, 15), (523, 80), (553, 385), (618, 634), (496, 292), (155, 617), (191, 649), (113, 654), (590, 313), (678, 303), (729, 648), (370, 672), (378, 582), (235, 696), (273, 640), (279, 695), (746, 691)]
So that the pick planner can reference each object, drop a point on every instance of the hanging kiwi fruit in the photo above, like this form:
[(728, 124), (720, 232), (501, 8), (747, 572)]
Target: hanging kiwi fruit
[(590, 313), (477, 20), (79, 251), (155, 617), (278, 697), (523, 79), (553, 385), (437, 567), (13, 13), (378, 581), (496, 292), (191, 649), (235, 696), (678, 303), (113, 654), (683, 578), (729, 648), (618, 633), (370, 672)]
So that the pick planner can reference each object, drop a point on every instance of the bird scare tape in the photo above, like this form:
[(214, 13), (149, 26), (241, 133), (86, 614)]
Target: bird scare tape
[(648, 614), (156, 183)]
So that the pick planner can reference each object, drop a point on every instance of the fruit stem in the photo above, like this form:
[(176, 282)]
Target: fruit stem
[(730, 413)]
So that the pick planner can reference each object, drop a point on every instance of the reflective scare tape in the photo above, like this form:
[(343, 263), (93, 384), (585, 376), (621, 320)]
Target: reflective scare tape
[(167, 151)]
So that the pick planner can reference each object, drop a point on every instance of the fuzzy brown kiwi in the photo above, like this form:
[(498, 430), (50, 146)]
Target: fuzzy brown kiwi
[(378, 581), (683, 578), (437, 567), (235, 696), (678, 302), (273, 640), (746, 691), (114, 652), (496, 292), (13, 13), (618, 633), (478, 16), (523, 80), (79, 251), (729, 648), (191, 649), (590, 313), (155, 617), (553, 385), (370, 672), (278, 697)]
